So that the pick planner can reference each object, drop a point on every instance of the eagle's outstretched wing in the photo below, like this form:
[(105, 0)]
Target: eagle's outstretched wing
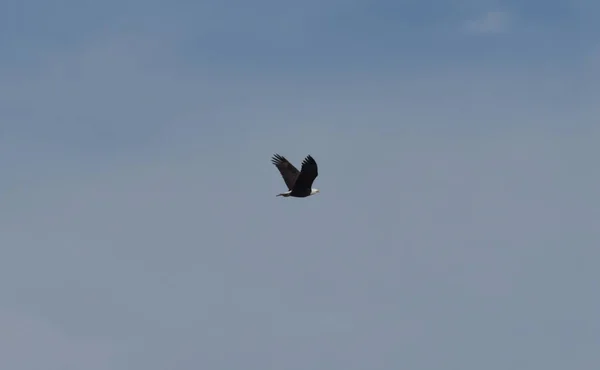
[(287, 170), (308, 174)]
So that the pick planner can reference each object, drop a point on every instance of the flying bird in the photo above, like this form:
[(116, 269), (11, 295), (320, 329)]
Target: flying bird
[(299, 183)]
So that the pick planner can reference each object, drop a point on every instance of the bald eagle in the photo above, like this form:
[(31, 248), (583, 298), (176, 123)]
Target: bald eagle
[(299, 183)]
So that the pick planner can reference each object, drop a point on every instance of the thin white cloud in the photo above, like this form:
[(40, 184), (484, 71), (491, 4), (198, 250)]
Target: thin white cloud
[(490, 22)]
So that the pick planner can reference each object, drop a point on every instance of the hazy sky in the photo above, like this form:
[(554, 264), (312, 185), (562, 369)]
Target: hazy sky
[(458, 224)]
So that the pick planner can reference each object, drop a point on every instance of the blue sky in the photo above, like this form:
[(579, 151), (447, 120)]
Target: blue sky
[(457, 225)]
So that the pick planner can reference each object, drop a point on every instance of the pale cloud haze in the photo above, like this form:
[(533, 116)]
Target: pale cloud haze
[(457, 225), (491, 22)]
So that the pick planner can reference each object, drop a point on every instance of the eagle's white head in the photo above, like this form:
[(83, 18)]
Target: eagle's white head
[(314, 191)]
